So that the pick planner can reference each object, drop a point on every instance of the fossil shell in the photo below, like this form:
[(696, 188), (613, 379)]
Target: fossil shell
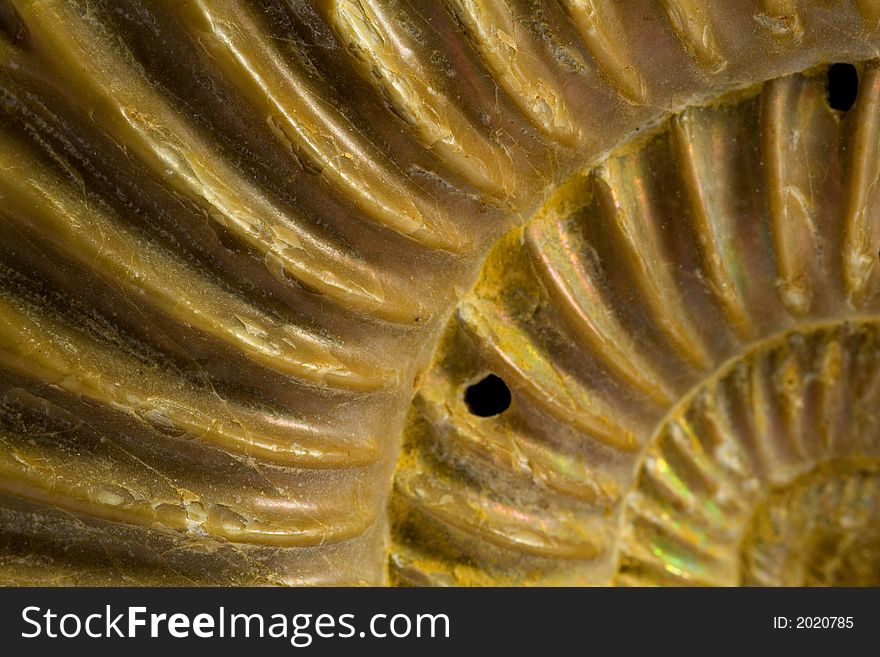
[(689, 330), (235, 233)]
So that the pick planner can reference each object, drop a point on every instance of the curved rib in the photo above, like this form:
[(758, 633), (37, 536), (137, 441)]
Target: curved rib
[(790, 187), (861, 230), (559, 394), (692, 22), (36, 198), (636, 223), (603, 34), (523, 73), (132, 112), (782, 18), (300, 114), (696, 139), (574, 284), (120, 485), (35, 345), (390, 59), (528, 530)]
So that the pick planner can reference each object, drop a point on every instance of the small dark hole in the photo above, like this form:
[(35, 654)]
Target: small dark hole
[(489, 396), (843, 86)]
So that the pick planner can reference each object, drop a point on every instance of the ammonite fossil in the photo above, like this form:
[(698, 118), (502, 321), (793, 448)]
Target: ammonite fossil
[(449, 292)]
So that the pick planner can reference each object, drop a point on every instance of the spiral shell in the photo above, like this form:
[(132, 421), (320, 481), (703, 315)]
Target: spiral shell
[(235, 233), (687, 330)]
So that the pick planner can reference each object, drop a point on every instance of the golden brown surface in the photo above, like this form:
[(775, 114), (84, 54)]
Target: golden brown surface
[(234, 233)]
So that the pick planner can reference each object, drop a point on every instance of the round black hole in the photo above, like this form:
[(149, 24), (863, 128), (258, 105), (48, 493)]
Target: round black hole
[(487, 397), (843, 86)]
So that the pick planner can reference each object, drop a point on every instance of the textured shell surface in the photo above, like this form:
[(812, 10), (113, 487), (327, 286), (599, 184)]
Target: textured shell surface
[(459, 292)]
